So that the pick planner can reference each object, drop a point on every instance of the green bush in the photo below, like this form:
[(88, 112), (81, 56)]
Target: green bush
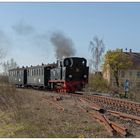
[(97, 83)]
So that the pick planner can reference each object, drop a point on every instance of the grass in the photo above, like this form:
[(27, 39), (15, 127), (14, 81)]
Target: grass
[(23, 114)]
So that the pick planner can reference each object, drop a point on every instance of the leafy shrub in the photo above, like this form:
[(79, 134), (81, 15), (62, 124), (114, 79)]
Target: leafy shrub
[(97, 83)]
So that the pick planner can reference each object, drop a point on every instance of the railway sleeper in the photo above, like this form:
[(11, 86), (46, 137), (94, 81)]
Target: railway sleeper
[(119, 129)]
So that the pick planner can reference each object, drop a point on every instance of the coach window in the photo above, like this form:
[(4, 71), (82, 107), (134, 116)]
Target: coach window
[(42, 71), (27, 72), (39, 72), (31, 73), (19, 73)]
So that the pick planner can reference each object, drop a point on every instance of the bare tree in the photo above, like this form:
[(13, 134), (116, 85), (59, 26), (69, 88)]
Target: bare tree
[(10, 64), (97, 48), (2, 55)]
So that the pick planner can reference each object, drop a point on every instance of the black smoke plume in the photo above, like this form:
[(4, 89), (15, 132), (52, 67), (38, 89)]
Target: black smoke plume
[(63, 45)]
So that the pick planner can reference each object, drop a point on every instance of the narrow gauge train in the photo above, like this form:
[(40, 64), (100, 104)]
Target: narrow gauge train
[(68, 75)]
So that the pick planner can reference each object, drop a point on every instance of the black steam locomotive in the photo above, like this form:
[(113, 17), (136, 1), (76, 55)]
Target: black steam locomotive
[(67, 75)]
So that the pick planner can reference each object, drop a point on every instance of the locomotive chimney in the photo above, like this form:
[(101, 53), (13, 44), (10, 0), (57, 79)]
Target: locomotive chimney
[(130, 50)]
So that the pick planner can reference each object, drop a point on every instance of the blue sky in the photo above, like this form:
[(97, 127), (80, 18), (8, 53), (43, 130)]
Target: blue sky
[(25, 28)]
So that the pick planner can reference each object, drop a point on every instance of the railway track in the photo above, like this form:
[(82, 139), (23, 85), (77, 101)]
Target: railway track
[(115, 103), (101, 112)]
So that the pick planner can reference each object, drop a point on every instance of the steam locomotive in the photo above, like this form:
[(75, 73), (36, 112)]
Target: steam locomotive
[(67, 75)]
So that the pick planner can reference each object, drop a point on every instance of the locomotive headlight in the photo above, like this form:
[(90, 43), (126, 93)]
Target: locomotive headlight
[(85, 76), (19, 80), (70, 76)]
